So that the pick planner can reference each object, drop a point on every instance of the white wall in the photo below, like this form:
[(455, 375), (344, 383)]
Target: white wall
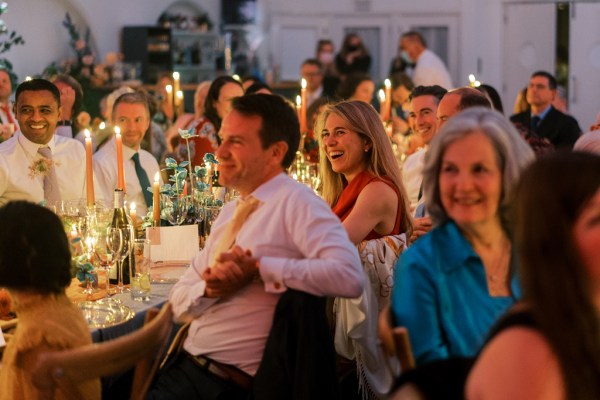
[(479, 27), (40, 24)]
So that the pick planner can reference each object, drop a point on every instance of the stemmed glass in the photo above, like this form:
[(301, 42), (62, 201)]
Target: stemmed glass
[(109, 244), (128, 235), (176, 207)]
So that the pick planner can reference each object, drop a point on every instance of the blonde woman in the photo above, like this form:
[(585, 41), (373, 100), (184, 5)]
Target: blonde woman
[(363, 185)]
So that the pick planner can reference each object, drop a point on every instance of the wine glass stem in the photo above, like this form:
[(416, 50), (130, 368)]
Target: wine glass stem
[(120, 275), (107, 282)]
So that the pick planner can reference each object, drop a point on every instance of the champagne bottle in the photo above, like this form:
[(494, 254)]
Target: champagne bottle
[(121, 221)]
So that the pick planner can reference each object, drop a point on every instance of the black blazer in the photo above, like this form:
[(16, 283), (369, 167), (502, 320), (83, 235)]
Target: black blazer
[(560, 129)]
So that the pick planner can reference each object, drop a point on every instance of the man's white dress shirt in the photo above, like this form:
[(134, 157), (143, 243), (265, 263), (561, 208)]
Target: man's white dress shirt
[(105, 172), (18, 154), (430, 70), (412, 176), (299, 243)]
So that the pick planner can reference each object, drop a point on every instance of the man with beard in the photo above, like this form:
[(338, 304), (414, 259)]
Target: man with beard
[(131, 114)]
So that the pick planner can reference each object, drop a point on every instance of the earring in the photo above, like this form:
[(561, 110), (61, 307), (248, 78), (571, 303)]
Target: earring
[(367, 149)]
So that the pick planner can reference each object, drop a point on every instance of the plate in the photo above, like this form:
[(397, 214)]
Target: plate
[(168, 272), (104, 315)]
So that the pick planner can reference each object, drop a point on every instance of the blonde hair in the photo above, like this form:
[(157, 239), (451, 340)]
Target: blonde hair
[(362, 118)]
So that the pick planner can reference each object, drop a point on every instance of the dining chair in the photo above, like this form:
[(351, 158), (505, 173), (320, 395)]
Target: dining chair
[(62, 369), (395, 340)]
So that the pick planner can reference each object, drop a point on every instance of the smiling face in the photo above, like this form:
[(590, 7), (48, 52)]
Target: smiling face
[(37, 113), (133, 120), (244, 164), (586, 235), (470, 181), (346, 150), (423, 111)]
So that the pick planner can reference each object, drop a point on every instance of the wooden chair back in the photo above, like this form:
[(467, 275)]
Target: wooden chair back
[(63, 369)]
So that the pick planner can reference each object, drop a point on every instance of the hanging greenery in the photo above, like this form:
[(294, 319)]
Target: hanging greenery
[(8, 39)]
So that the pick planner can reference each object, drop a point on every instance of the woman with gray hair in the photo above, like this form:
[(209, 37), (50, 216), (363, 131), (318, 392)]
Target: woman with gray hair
[(454, 282)]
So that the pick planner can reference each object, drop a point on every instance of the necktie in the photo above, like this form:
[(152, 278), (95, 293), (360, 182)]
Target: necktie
[(243, 209), (143, 178), (535, 122), (51, 189), (9, 117)]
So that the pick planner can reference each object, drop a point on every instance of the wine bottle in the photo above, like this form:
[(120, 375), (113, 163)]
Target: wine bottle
[(218, 191), (122, 221)]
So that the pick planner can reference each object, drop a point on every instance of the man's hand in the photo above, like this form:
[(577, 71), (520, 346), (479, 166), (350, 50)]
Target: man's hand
[(420, 227), (233, 270)]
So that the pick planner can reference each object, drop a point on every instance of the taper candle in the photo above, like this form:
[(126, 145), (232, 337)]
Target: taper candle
[(89, 169)]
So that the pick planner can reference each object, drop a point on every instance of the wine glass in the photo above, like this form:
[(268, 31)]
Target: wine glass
[(176, 208), (128, 235), (109, 244), (210, 214)]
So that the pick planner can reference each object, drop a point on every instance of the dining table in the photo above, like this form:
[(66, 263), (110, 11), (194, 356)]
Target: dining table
[(163, 278)]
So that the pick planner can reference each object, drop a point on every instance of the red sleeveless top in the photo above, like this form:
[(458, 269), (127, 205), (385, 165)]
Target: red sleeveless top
[(347, 199)]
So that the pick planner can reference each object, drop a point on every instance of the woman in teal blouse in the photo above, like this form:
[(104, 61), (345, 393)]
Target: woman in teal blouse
[(455, 282)]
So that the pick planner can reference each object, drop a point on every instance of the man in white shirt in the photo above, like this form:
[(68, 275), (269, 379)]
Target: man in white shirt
[(429, 69), (131, 114), (23, 169), (291, 240), (8, 120)]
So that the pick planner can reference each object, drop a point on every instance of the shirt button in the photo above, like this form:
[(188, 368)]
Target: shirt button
[(277, 285)]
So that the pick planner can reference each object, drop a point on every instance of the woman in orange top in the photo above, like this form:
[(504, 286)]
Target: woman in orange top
[(361, 178), (362, 183)]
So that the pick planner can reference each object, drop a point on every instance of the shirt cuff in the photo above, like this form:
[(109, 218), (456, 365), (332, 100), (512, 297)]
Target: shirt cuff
[(198, 289), (271, 272)]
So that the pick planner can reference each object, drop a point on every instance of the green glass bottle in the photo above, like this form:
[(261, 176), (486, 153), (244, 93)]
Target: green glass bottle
[(122, 221)]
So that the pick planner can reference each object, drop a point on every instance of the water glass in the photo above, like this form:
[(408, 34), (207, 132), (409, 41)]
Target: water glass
[(140, 280)]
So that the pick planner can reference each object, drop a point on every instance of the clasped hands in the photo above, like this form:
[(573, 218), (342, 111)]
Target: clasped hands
[(232, 271)]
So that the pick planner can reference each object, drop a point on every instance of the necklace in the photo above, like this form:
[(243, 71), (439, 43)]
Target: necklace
[(500, 267)]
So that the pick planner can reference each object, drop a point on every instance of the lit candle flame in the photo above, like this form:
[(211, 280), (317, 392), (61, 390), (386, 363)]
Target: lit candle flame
[(387, 83), (298, 100), (179, 94), (381, 95), (303, 83), (157, 177), (117, 130), (87, 134), (176, 75), (169, 89), (102, 125), (132, 206), (236, 77)]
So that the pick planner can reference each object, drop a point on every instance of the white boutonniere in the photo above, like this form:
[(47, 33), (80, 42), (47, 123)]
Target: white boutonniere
[(40, 167)]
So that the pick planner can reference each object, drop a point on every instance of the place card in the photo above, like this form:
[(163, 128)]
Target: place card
[(173, 243)]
